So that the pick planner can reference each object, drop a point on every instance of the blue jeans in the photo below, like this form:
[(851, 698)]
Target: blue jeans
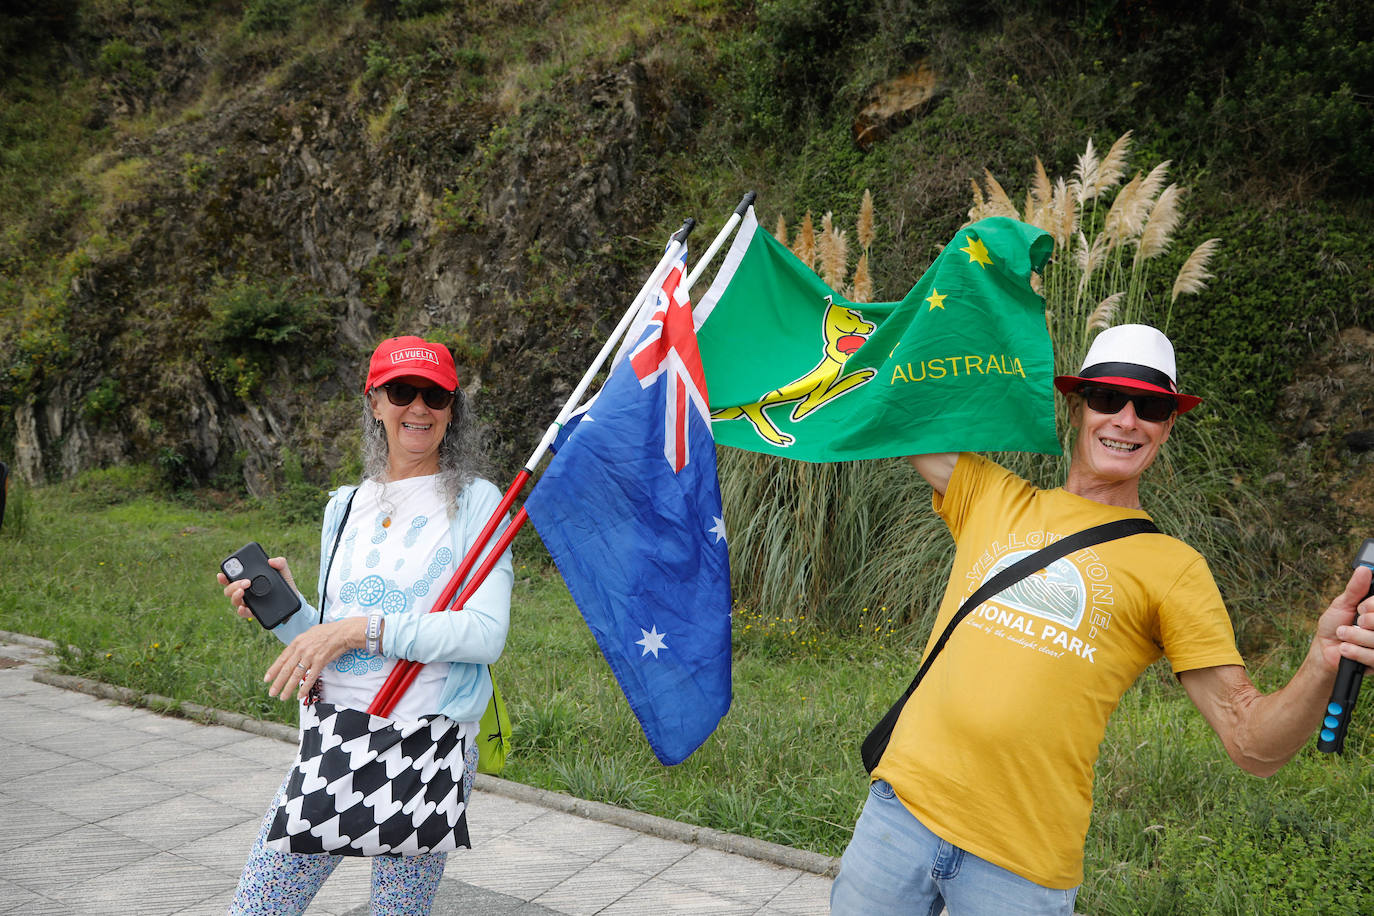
[(895, 865)]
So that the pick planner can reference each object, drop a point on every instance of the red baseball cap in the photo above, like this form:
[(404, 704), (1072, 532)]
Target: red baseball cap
[(412, 357)]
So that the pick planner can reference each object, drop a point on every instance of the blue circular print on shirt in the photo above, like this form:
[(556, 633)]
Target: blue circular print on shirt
[(370, 590), (394, 601), (358, 661)]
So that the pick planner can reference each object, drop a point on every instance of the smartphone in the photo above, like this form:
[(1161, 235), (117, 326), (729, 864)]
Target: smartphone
[(268, 595)]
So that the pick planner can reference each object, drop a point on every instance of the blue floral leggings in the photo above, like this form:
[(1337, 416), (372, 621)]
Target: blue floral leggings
[(283, 883)]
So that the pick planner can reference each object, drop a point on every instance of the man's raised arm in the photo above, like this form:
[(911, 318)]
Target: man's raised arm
[(936, 469)]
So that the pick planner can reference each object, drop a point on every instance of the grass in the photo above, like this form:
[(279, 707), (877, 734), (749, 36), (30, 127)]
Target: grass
[(1177, 828)]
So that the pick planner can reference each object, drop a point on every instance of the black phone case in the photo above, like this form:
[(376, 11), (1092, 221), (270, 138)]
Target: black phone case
[(268, 596)]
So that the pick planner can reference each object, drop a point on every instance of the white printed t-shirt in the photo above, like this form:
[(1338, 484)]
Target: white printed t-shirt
[(394, 558)]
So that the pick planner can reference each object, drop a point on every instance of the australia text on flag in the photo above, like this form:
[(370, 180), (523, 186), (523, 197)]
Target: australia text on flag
[(630, 511)]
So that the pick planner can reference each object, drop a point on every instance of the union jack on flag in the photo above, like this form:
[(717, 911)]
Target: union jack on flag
[(670, 348)]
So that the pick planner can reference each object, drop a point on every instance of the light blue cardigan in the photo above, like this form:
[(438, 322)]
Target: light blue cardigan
[(470, 639)]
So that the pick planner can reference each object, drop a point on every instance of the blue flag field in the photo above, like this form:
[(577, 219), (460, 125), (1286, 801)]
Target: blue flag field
[(630, 510)]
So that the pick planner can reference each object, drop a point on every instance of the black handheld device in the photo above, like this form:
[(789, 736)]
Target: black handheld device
[(1349, 674), (268, 595)]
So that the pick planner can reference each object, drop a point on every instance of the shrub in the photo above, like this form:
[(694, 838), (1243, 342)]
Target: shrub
[(252, 321), (269, 15), (104, 487), (120, 60), (103, 401), (298, 499)]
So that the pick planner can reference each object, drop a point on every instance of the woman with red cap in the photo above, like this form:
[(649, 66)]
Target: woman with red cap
[(388, 547), (981, 800)]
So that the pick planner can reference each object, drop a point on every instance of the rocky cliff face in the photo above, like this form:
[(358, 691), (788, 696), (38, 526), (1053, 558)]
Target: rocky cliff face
[(517, 234)]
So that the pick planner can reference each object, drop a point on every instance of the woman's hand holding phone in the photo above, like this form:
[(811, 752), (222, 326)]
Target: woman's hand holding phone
[(259, 587)]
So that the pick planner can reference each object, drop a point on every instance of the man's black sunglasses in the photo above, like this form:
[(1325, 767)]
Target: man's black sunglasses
[(1152, 407), (402, 393)]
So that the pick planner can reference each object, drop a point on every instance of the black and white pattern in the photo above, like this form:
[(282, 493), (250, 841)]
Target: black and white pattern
[(367, 786)]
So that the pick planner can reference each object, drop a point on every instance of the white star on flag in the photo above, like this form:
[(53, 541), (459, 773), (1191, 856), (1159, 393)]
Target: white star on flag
[(652, 641), (718, 530)]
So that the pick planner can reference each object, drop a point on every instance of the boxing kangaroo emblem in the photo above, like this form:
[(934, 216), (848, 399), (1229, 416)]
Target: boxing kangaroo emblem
[(844, 332)]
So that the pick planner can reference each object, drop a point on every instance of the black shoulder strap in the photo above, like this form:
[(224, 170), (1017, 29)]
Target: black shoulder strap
[(1006, 578), (338, 535)]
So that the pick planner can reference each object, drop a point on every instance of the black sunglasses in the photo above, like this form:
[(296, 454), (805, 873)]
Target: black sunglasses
[(402, 393), (1151, 407)]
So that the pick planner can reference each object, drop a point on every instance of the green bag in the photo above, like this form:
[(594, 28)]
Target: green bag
[(493, 735)]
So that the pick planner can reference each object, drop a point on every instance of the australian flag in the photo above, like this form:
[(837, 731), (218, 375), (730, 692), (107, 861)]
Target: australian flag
[(629, 508)]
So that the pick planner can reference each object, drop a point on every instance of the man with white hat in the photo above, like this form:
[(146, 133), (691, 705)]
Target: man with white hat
[(981, 800)]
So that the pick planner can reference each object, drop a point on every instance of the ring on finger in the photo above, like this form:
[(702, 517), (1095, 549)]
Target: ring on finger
[(303, 666)]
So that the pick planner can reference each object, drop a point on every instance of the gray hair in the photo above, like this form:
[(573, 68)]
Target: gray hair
[(462, 457)]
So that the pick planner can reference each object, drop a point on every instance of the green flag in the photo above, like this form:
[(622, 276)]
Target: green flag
[(963, 363)]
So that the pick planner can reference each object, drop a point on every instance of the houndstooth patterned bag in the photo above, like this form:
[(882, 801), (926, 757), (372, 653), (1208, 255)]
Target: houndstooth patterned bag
[(363, 785)]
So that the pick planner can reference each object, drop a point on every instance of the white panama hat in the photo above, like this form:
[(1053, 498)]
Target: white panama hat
[(1134, 356)]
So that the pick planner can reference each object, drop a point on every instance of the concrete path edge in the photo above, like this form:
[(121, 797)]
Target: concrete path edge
[(775, 853)]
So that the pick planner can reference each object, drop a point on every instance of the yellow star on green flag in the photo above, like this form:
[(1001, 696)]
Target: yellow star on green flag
[(962, 363)]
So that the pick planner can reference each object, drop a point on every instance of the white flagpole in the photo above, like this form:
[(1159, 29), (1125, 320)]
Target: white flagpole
[(646, 310), (730, 224), (641, 301), (675, 246)]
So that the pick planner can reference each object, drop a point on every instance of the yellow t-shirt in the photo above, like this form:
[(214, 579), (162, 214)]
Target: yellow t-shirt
[(994, 752)]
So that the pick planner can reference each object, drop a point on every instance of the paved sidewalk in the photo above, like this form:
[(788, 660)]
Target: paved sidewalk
[(112, 809)]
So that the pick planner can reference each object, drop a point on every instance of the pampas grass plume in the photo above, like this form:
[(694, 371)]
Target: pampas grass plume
[(863, 283), (806, 242), (864, 230), (1085, 173), (1127, 214), (975, 212), (1193, 276), (999, 204), (1155, 180), (1089, 256), (1101, 318), (780, 230), (1067, 211), (1040, 187), (823, 256), (1113, 166), (1093, 175), (1157, 235), (835, 258)]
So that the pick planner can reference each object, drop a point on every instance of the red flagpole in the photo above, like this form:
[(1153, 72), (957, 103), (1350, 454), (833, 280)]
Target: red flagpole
[(391, 691), (404, 672)]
